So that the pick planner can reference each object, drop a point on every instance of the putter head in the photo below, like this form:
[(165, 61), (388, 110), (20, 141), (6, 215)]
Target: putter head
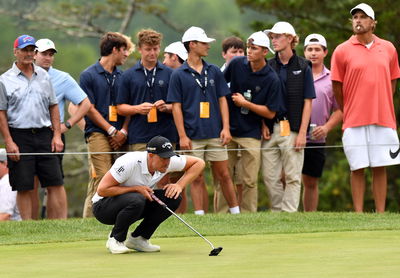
[(215, 251)]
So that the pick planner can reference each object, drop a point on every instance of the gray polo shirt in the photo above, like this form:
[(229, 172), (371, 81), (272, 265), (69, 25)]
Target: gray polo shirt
[(26, 100)]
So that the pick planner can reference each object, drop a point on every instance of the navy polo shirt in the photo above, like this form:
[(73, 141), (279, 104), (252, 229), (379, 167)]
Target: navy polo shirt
[(266, 89), (134, 90), (101, 88), (183, 88)]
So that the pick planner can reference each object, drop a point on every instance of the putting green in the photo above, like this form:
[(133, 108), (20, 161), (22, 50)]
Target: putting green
[(339, 254)]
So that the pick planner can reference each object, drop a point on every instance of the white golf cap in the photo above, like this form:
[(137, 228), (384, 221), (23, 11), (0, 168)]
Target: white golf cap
[(3, 155), (365, 8), (261, 39), (177, 48), (281, 27), (315, 39), (196, 34), (45, 44)]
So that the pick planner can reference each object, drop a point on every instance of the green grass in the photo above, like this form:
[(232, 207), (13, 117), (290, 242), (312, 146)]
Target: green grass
[(336, 245), (210, 224)]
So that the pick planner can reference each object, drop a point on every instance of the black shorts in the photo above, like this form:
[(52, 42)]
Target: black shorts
[(314, 160), (46, 167)]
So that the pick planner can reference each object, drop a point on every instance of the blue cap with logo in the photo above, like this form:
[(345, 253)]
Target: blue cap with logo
[(24, 41)]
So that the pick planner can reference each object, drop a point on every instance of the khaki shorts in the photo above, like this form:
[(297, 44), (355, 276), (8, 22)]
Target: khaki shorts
[(209, 149)]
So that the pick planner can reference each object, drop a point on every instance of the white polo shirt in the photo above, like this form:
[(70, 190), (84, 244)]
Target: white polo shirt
[(131, 170)]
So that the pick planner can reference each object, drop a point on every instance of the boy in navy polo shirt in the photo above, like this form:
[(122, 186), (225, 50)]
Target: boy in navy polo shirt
[(143, 94), (105, 131), (256, 94), (197, 92)]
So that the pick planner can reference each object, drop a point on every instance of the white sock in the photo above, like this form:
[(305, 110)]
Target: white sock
[(234, 210), (199, 212)]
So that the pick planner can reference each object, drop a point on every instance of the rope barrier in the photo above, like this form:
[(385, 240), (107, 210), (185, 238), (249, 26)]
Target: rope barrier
[(394, 148)]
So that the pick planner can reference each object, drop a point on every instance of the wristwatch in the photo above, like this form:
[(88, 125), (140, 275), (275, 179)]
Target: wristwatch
[(67, 125)]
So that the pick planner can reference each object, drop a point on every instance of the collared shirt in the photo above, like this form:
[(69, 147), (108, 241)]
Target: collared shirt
[(8, 199), (101, 88), (136, 88), (131, 170), (26, 100), (324, 103), (366, 75), (266, 89), (184, 89), (66, 88)]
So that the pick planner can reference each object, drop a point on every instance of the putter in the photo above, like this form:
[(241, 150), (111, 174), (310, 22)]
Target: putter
[(214, 251)]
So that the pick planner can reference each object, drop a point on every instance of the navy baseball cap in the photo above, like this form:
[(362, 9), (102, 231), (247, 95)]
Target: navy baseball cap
[(24, 41), (160, 146)]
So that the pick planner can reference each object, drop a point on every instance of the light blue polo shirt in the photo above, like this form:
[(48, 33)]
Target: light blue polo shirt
[(66, 88), (26, 100), (184, 88)]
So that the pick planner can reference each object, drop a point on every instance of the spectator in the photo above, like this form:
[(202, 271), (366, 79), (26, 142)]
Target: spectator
[(124, 194), (30, 123), (365, 70), (256, 94), (315, 50), (175, 55), (197, 92), (105, 130), (8, 198), (231, 47), (65, 88), (285, 148), (143, 93)]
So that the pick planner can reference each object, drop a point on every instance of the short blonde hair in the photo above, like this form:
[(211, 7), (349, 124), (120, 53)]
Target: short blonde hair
[(149, 36), (295, 41)]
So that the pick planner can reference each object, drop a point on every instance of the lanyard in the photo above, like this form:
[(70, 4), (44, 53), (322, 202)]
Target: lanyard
[(150, 84), (111, 86), (203, 87)]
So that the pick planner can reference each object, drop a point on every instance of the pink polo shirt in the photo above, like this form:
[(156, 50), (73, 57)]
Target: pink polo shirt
[(366, 75)]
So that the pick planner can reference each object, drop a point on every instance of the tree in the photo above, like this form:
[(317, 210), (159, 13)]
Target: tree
[(83, 18)]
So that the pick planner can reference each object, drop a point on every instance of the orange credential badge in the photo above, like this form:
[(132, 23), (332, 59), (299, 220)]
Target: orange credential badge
[(285, 127), (112, 113), (204, 110)]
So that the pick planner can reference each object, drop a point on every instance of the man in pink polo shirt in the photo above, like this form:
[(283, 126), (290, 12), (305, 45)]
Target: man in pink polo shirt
[(364, 73)]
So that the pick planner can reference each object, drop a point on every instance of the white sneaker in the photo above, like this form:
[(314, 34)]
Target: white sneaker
[(141, 244), (109, 236), (116, 247)]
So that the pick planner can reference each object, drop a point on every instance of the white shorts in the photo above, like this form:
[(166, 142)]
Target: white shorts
[(371, 146)]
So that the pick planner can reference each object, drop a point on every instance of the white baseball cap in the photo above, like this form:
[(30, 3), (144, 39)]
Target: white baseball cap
[(196, 34), (45, 44), (281, 27), (177, 48), (261, 39), (365, 8), (315, 39), (3, 155)]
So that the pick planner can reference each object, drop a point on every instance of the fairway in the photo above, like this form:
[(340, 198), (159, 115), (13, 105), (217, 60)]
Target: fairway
[(325, 254)]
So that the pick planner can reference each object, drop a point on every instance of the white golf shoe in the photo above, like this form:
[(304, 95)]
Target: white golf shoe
[(116, 247), (141, 244)]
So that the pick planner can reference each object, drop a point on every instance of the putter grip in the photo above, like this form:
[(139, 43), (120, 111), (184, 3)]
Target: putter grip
[(155, 198)]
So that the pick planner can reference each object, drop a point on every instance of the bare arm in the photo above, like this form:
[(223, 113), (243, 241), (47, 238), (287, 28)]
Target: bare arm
[(11, 147), (321, 132), (109, 187), (56, 143), (129, 110), (259, 109), (225, 132), (305, 120), (193, 168), (81, 110), (338, 91), (184, 141)]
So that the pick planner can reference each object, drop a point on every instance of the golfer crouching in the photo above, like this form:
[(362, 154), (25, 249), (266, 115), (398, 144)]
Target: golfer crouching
[(124, 194)]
